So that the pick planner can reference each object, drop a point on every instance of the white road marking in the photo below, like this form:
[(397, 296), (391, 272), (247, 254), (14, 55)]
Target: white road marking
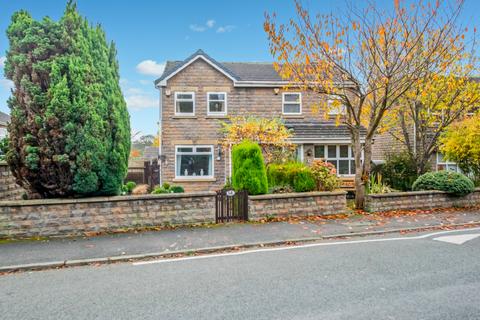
[(310, 245), (458, 239)]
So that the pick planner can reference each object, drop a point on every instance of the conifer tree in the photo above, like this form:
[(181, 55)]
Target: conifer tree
[(70, 130)]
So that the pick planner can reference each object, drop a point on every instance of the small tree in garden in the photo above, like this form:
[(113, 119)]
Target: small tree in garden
[(249, 168), (270, 134), (365, 59), (461, 144), (69, 130)]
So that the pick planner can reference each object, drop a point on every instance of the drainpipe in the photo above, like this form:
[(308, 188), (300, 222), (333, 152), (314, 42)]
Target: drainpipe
[(160, 118)]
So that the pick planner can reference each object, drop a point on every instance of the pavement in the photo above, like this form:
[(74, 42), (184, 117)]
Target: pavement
[(412, 276), (22, 255)]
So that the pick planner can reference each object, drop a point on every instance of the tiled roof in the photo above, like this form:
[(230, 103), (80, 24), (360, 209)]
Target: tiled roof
[(320, 130), (240, 71), (4, 118)]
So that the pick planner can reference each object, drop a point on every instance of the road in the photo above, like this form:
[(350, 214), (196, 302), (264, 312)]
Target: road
[(391, 277)]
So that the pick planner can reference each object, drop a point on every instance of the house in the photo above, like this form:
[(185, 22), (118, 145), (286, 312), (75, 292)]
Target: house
[(4, 120), (196, 94)]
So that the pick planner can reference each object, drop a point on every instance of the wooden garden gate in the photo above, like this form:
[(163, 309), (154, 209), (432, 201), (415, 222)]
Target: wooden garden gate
[(231, 205)]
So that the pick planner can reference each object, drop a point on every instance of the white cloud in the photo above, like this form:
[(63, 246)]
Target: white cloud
[(197, 28), (150, 67), (135, 91), (6, 84), (210, 23), (146, 82), (2, 61), (141, 101), (226, 28)]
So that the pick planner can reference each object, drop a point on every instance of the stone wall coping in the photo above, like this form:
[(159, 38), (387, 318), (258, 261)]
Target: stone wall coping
[(411, 193), (40, 202), (297, 195)]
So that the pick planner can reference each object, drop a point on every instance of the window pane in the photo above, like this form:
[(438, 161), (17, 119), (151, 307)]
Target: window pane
[(343, 151), (216, 96), (441, 167), (319, 152), (440, 157), (291, 97), (184, 106), (194, 165), (185, 149), (204, 149), (352, 166), (332, 152), (452, 167), (188, 96), (216, 106), (291, 108), (343, 167), (298, 153), (334, 162)]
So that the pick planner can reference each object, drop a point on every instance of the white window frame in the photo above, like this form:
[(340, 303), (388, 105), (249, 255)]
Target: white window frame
[(341, 110), (446, 164), (289, 102), (177, 99), (210, 113), (337, 157), (194, 147)]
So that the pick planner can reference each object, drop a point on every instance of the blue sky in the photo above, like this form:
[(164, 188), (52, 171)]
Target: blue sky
[(148, 33)]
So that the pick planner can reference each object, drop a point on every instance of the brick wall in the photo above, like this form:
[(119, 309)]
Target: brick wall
[(9, 190), (419, 200), (56, 217), (297, 204)]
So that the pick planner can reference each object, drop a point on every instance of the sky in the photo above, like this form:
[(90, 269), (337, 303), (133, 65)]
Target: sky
[(149, 32)]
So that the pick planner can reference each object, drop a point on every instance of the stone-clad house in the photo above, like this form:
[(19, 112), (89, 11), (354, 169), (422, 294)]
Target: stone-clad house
[(196, 94), (4, 119)]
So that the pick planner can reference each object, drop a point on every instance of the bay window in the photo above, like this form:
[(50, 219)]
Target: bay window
[(341, 156), (194, 161)]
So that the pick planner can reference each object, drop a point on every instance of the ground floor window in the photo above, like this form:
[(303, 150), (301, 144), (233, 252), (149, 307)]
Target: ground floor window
[(194, 161), (341, 156), (443, 164)]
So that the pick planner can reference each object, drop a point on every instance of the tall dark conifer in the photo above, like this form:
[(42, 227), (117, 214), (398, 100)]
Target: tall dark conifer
[(70, 129)]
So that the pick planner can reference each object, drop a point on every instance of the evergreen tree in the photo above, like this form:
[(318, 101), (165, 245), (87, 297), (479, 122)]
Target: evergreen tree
[(70, 131)]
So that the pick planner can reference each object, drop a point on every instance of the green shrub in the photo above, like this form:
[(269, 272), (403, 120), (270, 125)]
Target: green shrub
[(325, 175), (129, 186), (249, 168), (376, 185), (167, 188), (448, 181), (399, 171), (294, 174)]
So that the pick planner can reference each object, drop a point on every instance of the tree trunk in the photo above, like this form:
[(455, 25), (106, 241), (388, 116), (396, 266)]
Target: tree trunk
[(359, 183)]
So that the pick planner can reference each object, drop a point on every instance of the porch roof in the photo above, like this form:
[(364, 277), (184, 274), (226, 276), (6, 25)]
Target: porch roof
[(320, 132)]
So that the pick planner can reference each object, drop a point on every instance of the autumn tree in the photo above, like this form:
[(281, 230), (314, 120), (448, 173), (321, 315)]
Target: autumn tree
[(430, 107), (366, 59), (271, 135), (460, 143)]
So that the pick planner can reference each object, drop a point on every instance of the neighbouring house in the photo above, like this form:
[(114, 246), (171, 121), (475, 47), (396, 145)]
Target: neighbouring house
[(4, 120), (196, 94)]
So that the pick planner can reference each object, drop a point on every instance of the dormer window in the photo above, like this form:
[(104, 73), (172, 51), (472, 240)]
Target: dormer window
[(292, 103), (217, 103), (184, 103)]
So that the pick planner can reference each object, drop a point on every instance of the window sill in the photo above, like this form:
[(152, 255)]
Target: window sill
[(184, 117), (194, 180), (293, 116)]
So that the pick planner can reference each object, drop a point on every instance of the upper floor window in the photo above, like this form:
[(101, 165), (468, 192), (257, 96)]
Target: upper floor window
[(292, 103), (185, 103), (336, 107), (217, 103)]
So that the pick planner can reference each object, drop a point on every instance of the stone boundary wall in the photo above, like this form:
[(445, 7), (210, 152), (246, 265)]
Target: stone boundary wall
[(74, 217), (419, 200), (297, 204), (9, 190)]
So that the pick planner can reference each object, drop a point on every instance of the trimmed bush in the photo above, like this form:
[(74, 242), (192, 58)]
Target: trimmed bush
[(167, 188), (129, 186), (249, 168), (399, 171), (448, 181), (292, 174)]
